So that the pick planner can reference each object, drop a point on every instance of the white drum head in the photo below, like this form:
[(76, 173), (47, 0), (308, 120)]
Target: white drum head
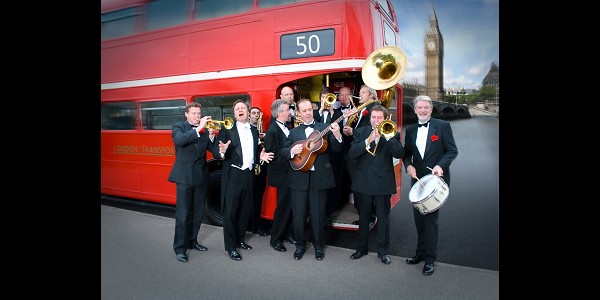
[(420, 192)]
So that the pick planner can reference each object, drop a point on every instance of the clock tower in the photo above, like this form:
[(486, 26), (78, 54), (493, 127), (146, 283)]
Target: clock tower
[(434, 58)]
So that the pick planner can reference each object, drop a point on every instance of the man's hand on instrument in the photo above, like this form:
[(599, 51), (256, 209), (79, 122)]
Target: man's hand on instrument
[(374, 135), (348, 131), (203, 122), (297, 149), (335, 129), (437, 170), (266, 156)]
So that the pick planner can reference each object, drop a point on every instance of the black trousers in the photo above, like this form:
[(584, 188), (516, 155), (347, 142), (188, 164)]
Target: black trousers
[(282, 218), (237, 207), (382, 211), (189, 211), (316, 200)]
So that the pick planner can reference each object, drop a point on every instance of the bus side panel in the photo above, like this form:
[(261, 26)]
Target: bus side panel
[(137, 164), (234, 39), (169, 57)]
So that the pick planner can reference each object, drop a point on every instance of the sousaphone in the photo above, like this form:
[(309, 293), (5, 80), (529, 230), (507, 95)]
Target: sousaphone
[(382, 69)]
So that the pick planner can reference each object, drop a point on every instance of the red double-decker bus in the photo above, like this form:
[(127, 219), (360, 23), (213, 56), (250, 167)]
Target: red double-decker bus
[(157, 56)]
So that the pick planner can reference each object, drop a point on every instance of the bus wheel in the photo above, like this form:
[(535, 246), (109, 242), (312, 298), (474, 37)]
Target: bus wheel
[(212, 210)]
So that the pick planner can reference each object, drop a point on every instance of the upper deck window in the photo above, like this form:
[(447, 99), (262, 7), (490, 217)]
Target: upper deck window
[(390, 34), (206, 9), (271, 3), (118, 23), (386, 8), (166, 13)]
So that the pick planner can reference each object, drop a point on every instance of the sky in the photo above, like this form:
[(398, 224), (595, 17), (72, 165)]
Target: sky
[(470, 30)]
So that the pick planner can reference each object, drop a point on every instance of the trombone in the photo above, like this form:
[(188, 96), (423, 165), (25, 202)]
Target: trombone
[(386, 129), (214, 124)]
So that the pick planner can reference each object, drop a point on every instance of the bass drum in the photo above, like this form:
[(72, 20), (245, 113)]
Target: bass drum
[(430, 196)]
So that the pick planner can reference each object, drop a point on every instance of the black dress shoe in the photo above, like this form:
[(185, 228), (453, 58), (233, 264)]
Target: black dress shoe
[(298, 254), (319, 254), (290, 239), (386, 259), (428, 268), (245, 246), (358, 254), (199, 247), (279, 247), (182, 257), (235, 255), (414, 260)]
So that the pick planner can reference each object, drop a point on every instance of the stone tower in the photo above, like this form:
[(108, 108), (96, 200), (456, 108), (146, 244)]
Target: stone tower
[(434, 60)]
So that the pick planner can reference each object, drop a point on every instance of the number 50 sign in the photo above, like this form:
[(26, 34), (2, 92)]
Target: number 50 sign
[(308, 44)]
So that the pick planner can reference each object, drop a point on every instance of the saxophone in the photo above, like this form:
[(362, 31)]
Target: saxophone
[(353, 118)]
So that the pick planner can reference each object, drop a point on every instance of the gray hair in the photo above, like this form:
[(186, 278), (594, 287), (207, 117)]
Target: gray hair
[(371, 91), (276, 107), (422, 98)]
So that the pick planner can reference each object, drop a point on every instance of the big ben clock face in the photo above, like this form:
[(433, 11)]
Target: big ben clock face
[(431, 45)]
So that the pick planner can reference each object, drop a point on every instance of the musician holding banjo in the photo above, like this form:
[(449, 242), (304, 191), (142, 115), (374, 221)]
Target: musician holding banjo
[(429, 149), (311, 179)]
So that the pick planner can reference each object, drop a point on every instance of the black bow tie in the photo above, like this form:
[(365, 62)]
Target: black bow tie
[(424, 124), (312, 125), (345, 107), (194, 126), (291, 107)]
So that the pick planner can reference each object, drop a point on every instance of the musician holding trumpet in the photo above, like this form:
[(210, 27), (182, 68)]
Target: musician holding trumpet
[(374, 148)]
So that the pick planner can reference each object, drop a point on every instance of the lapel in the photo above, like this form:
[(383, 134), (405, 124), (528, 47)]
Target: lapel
[(235, 139)]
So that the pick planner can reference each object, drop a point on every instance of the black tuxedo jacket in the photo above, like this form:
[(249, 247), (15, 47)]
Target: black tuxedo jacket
[(325, 179), (233, 155), (375, 173), (440, 149), (190, 155), (279, 167)]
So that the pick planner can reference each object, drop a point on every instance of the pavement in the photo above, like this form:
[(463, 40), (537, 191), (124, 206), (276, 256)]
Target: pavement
[(138, 262)]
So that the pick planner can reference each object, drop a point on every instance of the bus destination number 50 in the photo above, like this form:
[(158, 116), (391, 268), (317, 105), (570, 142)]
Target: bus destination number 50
[(308, 44)]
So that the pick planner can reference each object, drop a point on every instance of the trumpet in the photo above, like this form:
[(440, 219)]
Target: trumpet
[(214, 124), (330, 99)]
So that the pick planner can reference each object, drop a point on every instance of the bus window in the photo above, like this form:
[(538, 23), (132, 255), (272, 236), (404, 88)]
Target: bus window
[(118, 115), (160, 115), (118, 23), (220, 107), (166, 13), (206, 9), (271, 3), (390, 35)]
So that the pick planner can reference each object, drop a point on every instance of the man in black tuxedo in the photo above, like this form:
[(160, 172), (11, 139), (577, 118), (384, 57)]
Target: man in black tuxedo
[(190, 174), (363, 119), (374, 154), (287, 94), (309, 188), (429, 149), (256, 223), (238, 147), (327, 114), (279, 174)]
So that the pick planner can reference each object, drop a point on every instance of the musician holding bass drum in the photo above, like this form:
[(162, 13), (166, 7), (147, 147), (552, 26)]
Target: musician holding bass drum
[(309, 184)]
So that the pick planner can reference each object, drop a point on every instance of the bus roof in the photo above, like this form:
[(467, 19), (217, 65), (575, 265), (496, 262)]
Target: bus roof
[(110, 5)]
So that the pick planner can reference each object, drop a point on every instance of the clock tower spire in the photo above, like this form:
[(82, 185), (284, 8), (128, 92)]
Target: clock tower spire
[(434, 60)]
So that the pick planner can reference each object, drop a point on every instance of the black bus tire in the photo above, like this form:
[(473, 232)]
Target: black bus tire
[(212, 210)]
